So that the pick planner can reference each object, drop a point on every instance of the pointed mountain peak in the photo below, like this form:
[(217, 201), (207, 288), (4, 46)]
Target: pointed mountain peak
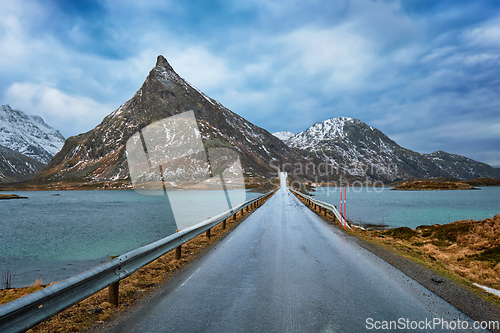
[(162, 64), (164, 73)]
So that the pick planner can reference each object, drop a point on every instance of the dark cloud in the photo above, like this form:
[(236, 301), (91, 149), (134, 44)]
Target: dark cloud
[(424, 72)]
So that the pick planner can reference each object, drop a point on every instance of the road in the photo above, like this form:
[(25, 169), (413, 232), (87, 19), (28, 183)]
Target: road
[(284, 269)]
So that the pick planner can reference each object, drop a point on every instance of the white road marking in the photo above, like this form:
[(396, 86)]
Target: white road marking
[(183, 283)]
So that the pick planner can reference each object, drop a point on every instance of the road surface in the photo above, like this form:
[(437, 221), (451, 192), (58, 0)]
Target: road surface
[(284, 270)]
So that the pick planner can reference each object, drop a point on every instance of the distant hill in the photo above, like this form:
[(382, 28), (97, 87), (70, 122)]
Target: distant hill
[(27, 144), (446, 184), (28, 135), (429, 185), (356, 149), (16, 167)]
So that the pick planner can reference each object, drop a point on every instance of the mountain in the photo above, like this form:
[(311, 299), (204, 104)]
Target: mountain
[(99, 155), (462, 167), (353, 149), (28, 135), (16, 167)]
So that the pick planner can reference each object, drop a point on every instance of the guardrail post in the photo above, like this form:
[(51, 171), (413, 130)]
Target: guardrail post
[(207, 233), (178, 252), (113, 293), (224, 224)]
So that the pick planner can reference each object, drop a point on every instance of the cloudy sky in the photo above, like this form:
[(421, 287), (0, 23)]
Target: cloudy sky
[(425, 72)]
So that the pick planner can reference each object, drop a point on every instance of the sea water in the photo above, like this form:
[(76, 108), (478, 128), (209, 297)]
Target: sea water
[(54, 235), (368, 205)]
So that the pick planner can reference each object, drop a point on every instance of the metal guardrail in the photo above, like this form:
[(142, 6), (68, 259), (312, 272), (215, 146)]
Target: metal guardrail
[(23, 313), (325, 206)]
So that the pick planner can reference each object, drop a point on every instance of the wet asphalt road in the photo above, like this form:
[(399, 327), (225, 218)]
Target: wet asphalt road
[(284, 270)]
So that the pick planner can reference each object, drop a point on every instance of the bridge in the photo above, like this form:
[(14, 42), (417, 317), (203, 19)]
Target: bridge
[(283, 269)]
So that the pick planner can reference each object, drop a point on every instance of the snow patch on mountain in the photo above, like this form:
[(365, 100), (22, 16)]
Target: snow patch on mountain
[(330, 129), (283, 135), (28, 135)]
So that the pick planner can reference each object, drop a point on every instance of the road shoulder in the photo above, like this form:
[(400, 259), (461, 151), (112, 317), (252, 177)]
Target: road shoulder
[(458, 295)]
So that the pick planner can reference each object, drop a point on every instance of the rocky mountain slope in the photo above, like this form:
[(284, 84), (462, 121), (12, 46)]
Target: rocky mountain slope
[(28, 135), (99, 155), (355, 150), (15, 167)]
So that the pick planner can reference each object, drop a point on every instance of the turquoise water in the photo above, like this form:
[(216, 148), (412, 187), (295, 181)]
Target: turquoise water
[(55, 235), (414, 208)]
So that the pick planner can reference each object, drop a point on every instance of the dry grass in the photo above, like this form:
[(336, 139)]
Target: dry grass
[(469, 250), (96, 309), (11, 294)]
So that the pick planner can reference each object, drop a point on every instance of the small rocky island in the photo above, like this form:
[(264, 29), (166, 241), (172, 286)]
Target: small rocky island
[(447, 184), (11, 196)]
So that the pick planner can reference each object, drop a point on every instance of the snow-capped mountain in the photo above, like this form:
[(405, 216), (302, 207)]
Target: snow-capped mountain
[(283, 135), (358, 150), (16, 167), (99, 155), (28, 135)]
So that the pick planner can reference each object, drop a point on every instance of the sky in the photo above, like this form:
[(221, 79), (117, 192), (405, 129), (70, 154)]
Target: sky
[(426, 72)]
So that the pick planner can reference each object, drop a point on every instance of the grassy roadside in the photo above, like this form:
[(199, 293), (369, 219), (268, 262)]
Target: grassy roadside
[(95, 309), (465, 252)]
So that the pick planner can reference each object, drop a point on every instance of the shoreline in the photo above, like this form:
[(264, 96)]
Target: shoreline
[(11, 196), (250, 184)]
